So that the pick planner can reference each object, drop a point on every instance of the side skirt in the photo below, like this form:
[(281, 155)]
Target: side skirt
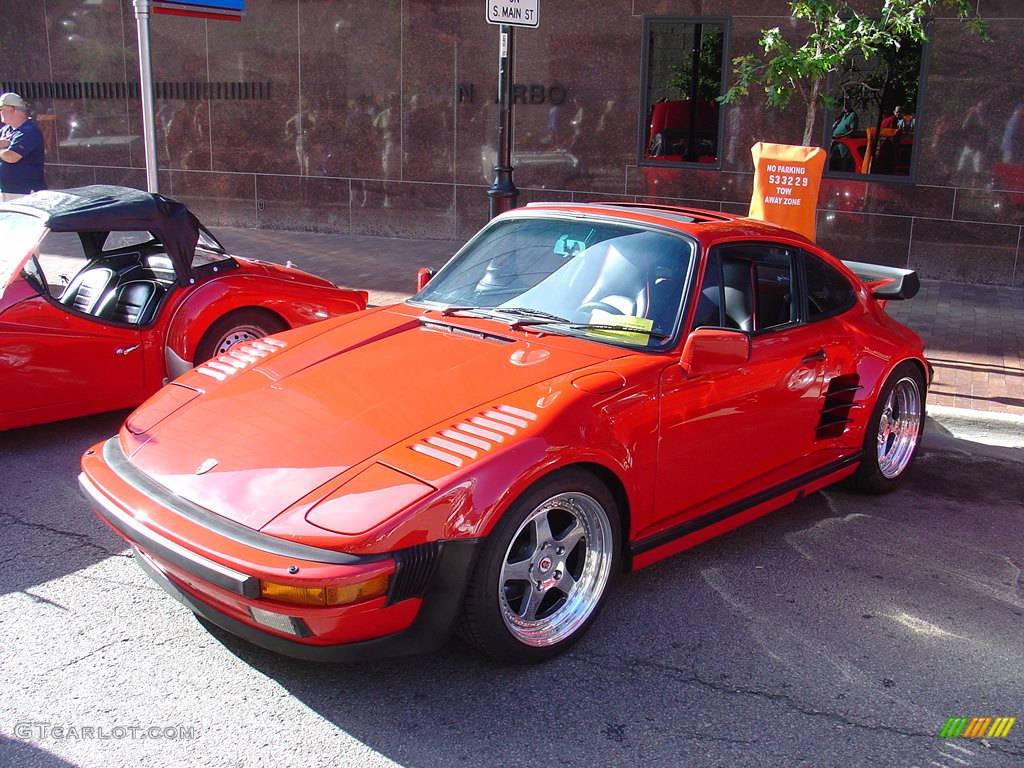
[(643, 551)]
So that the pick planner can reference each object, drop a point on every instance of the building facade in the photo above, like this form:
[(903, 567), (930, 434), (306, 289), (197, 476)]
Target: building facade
[(379, 117)]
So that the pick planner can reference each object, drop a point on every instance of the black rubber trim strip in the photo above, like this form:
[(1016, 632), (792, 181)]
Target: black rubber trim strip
[(129, 473), (207, 570), (692, 526)]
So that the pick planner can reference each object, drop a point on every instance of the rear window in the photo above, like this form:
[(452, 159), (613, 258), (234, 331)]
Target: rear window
[(828, 292)]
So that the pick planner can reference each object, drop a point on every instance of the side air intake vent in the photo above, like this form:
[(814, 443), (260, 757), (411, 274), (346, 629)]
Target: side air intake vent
[(839, 402), (414, 568)]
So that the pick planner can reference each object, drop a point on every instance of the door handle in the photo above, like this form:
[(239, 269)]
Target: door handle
[(126, 350), (816, 357)]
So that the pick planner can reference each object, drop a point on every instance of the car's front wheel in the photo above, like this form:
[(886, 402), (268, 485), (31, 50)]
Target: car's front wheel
[(545, 570), (894, 432), (234, 328)]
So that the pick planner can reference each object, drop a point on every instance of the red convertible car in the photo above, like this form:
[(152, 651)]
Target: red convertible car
[(581, 391), (106, 293)]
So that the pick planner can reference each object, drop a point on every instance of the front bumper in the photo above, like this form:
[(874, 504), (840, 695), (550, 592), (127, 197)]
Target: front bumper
[(428, 632), (426, 585)]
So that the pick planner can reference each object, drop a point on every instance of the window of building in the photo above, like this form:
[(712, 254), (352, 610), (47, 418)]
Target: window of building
[(684, 65), (877, 116)]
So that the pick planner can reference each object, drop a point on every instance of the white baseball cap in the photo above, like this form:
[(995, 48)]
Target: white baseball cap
[(12, 100)]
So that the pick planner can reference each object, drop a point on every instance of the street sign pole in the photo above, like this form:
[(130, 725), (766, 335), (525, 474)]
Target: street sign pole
[(142, 14), (503, 193), (226, 10)]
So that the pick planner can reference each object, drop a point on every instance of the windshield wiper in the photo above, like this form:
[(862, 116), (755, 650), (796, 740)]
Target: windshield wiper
[(449, 311), (531, 317)]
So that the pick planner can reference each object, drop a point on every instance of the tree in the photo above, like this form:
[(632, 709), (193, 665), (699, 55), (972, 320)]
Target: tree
[(838, 34)]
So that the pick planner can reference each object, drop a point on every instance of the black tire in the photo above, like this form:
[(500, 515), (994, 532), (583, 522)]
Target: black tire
[(893, 434), (544, 572), (234, 328)]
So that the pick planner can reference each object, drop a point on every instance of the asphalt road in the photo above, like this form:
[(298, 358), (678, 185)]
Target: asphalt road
[(841, 631)]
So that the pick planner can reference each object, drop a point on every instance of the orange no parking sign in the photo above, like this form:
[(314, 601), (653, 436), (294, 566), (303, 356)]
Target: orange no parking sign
[(786, 182)]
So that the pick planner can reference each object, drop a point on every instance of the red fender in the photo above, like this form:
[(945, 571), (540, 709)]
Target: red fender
[(296, 304)]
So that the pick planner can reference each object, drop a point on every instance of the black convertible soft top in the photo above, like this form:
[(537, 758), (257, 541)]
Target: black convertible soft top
[(97, 210)]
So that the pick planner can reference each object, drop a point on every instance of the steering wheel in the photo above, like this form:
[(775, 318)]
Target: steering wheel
[(590, 306)]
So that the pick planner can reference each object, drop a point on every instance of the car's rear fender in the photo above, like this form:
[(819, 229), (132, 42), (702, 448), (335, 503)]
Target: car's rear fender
[(295, 304), (872, 373)]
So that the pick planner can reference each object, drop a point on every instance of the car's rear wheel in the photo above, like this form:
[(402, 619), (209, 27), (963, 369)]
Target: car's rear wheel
[(545, 570), (235, 328), (894, 432)]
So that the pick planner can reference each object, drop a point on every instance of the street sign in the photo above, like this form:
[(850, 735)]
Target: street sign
[(218, 10), (516, 13)]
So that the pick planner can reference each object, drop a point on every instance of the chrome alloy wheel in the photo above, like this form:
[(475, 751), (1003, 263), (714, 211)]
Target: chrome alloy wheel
[(237, 335), (555, 569), (899, 427)]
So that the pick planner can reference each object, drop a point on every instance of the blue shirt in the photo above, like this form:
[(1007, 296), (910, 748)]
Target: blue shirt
[(26, 175)]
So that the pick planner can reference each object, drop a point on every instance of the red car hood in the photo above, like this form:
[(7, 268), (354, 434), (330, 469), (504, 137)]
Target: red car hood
[(282, 429)]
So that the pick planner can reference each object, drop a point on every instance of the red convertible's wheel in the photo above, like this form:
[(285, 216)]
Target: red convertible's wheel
[(544, 571), (894, 432), (236, 327)]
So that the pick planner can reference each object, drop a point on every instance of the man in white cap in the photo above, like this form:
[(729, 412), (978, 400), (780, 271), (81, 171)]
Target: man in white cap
[(22, 153)]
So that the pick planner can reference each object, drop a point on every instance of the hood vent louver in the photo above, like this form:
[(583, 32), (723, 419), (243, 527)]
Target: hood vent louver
[(839, 402), (240, 357), (475, 436)]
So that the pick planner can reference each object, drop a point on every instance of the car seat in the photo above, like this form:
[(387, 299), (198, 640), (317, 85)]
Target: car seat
[(133, 302), (86, 289)]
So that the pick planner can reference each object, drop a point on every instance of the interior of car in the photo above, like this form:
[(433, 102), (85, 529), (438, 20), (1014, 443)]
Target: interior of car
[(119, 287)]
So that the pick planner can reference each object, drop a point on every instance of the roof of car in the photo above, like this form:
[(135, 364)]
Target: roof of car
[(694, 220), (108, 208)]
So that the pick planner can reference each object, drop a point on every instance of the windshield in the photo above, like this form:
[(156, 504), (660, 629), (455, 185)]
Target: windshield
[(19, 235), (614, 282)]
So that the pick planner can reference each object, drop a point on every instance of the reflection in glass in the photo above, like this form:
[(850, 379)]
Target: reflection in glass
[(683, 80), (873, 125)]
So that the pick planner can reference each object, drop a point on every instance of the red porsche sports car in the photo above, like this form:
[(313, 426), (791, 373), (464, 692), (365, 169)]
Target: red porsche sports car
[(582, 390), (106, 293)]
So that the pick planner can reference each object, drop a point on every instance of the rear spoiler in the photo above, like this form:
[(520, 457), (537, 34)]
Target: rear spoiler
[(886, 283)]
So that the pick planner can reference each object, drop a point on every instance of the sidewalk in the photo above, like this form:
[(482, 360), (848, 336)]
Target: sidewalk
[(974, 334)]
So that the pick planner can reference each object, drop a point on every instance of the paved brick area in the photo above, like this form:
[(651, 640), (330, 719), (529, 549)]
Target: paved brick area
[(974, 334)]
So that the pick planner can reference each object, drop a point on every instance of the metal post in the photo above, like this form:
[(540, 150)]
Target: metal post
[(142, 14), (503, 193)]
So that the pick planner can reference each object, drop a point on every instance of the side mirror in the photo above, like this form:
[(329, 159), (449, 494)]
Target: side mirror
[(711, 349), (423, 277)]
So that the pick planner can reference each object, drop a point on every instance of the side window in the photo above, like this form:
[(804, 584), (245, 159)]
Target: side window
[(747, 288), (828, 292), (774, 285), (61, 258), (873, 124), (120, 240), (682, 78)]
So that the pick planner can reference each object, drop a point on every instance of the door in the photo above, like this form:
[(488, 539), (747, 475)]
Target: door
[(737, 433), (60, 365), (58, 361)]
